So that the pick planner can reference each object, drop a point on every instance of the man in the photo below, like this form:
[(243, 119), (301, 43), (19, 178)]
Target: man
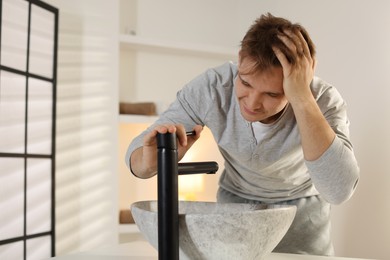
[(282, 131)]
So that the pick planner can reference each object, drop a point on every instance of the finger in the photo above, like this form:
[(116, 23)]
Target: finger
[(178, 129), (181, 134), (282, 59), (304, 45), (297, 39), (291, 41), (150, 138), (191, 139), (197, 129), (163, 129)]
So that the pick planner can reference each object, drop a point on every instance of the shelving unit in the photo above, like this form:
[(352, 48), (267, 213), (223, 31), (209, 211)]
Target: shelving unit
[(163, 56), (152, 69), (133, 42)]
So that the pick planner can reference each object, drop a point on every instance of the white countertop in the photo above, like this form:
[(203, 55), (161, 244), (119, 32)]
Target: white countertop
[(142, 250)]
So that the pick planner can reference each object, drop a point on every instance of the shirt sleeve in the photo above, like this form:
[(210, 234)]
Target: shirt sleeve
[(336, 173)]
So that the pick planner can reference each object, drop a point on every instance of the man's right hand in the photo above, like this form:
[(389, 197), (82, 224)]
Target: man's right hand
[(143, 161)]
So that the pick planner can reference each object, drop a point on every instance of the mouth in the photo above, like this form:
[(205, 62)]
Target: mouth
[(249, 111)]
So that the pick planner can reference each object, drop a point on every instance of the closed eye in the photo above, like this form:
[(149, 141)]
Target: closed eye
[(274, 95), (245, 83)]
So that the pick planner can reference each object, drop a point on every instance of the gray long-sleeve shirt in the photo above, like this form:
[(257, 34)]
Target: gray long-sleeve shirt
[(273, 169)]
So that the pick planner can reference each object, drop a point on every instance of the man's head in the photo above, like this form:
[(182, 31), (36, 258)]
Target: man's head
[(262, 35), (259, 84)]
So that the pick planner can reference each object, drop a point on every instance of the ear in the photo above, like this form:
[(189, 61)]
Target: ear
[(239, 57), (314, 63)]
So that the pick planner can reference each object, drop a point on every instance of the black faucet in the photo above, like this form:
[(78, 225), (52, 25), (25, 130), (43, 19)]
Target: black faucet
[(168, 170)]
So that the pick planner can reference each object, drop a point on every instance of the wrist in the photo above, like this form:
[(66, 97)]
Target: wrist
[(139, 165), (302, 101)]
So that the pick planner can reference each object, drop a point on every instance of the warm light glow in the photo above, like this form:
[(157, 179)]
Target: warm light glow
[(199, 187), (189, 185)]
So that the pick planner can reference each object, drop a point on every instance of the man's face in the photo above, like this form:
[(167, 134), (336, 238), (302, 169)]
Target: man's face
[(260, 94)]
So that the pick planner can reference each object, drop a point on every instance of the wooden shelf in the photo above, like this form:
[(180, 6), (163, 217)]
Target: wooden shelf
[(133, 42)]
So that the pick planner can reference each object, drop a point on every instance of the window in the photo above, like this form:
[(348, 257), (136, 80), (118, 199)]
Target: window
[(28, 57)]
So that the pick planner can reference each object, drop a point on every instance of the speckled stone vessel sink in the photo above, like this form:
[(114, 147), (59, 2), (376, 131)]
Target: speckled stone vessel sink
[(209, 230)]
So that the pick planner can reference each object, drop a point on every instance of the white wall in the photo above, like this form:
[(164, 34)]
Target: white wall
[(170, 21), (87, 110), (352, 39)]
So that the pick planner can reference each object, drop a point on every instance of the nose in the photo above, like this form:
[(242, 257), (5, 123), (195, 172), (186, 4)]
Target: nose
[(254, 101)]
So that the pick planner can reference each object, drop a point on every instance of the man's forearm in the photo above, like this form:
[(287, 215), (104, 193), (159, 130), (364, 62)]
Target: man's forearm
[(137, 165), (316, 133)]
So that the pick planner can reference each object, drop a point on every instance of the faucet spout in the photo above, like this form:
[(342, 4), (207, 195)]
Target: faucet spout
[(197, 167)]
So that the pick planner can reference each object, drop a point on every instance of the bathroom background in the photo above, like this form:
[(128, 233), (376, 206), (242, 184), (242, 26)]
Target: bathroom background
[(144, 51)]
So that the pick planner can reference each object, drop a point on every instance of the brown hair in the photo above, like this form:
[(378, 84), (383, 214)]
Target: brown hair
[(262, 35)]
